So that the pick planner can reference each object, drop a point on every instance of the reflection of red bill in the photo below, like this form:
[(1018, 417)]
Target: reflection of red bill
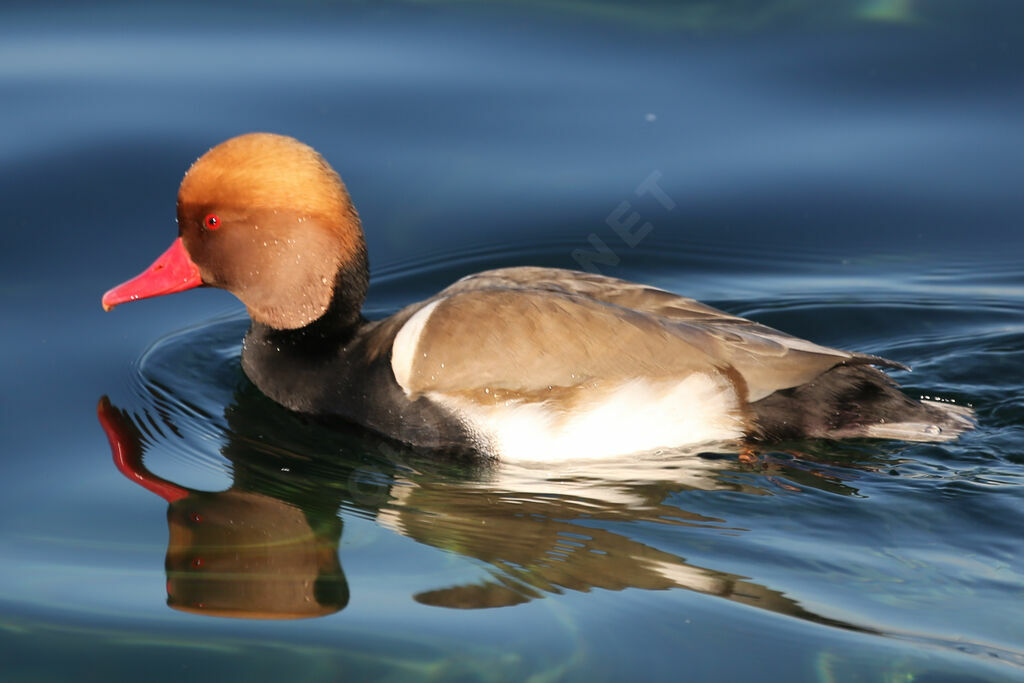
[(127, 453)]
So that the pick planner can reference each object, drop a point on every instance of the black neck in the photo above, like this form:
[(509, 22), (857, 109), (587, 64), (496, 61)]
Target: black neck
[(340, 321)]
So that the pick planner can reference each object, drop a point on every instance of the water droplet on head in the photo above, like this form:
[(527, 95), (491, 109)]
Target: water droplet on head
[(933, 429)]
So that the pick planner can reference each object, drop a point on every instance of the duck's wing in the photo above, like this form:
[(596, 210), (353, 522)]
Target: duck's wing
[(526, 330)]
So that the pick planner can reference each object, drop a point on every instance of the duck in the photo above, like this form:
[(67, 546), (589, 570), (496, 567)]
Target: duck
[(515, 364)]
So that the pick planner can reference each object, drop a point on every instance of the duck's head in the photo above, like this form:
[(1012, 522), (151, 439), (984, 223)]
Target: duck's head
[(266, 218)]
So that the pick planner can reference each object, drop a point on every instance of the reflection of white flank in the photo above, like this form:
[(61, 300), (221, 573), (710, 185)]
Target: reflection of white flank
[(390, 515), (620, 481), (694, 578), (637, 416), (604, 485)]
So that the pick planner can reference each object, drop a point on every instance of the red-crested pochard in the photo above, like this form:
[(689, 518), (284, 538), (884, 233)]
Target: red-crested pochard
[(517, 363)]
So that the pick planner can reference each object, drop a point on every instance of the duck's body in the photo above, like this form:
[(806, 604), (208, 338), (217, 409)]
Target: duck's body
[(546, 364), (519, 363)]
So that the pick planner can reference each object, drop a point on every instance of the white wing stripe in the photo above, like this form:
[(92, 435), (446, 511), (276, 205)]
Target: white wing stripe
[(406, 345)]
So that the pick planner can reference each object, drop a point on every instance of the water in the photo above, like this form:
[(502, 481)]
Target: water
[(848, 174)]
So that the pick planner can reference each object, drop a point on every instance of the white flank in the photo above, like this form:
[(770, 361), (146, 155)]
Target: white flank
[(634, 417), (407, 341)]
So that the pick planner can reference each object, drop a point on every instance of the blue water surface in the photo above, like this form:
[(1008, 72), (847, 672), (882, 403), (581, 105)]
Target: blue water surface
[(850, 174)]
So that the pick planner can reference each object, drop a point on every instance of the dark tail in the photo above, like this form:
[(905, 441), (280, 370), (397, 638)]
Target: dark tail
[(856, 401)]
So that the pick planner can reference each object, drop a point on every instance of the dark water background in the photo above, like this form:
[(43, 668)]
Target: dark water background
[(850, 173)]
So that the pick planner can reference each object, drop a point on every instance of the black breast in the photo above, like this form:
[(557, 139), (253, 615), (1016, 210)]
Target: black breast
[(346, 375)]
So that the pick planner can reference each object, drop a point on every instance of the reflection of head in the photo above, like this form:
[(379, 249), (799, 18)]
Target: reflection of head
[(238, 553)]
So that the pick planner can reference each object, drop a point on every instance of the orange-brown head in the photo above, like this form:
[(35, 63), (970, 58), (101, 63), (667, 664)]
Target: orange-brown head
[(265, 217)]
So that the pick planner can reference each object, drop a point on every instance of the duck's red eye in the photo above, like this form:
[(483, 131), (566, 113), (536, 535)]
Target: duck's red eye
[(211, 221)]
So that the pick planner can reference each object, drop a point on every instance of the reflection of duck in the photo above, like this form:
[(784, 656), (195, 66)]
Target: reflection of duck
[(545, 543), (238, 553), (267, 547), (519, 363)]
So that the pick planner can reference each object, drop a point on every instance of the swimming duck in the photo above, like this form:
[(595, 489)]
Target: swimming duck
[(519, 363)]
